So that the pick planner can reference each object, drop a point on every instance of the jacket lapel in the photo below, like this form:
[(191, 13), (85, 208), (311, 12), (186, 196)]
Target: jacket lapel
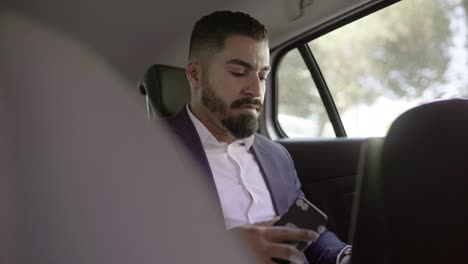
[(270, 172), (187, 134)]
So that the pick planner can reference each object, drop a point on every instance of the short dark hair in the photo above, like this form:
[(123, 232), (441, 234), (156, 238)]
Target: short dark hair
[(210, 31)]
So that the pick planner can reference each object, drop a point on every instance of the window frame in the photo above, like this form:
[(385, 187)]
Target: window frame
[(270, 124)]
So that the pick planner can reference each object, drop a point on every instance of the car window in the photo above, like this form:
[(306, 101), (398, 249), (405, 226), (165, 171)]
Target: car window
[(377, 67), (301, 112)]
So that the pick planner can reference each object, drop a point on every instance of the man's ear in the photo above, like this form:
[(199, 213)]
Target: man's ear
[(194, 74)]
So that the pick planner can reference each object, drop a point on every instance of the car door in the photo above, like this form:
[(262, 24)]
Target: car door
[(348, 78)]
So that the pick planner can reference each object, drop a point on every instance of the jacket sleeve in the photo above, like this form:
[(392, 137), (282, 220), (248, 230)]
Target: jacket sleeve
[(327, 248)]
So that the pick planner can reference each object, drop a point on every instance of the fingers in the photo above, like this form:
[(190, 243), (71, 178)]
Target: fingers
[(280, 233), (269, 222), (266, 241), (286, 252)]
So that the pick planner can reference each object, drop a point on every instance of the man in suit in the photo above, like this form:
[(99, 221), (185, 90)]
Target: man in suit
[(254, 178)]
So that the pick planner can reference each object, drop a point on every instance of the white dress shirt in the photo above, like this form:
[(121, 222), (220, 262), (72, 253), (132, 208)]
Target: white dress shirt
[(244, 195)]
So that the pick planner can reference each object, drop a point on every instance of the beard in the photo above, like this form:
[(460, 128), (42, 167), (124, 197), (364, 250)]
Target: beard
[(241, 126)]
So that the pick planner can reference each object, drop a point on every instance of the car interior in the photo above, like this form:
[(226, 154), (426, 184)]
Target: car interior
[(397, 195)]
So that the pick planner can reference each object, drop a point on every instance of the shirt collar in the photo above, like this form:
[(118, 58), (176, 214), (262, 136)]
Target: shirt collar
[(208, 139)]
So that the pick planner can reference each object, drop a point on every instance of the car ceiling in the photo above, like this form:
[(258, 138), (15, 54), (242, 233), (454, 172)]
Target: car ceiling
[(131, 35)]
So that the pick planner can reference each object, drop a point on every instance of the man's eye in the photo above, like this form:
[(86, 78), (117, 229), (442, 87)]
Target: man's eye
[(262, 78), (237, 74)]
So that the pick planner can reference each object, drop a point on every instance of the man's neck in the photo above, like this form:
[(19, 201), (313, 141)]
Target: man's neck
[(213, 125)]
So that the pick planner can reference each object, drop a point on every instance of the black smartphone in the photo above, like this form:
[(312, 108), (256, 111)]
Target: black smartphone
[(302, 214)]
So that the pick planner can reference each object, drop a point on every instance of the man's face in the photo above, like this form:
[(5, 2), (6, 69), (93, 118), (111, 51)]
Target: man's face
[(233, 84)]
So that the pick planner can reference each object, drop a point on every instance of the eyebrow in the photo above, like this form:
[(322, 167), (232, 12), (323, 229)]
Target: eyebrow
[(246, 64)]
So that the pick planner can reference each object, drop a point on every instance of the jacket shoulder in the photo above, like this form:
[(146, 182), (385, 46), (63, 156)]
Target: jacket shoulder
[(271, 146)]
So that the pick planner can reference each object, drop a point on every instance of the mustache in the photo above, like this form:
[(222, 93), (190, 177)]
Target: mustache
[(247, 100)]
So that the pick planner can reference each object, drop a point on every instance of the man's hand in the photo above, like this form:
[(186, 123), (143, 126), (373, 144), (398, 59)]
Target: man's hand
[(265, 240)]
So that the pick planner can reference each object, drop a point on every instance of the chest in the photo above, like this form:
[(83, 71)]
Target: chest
[(243, 192)]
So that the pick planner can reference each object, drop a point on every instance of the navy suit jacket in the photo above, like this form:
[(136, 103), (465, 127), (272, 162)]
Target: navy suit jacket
[(280, 176)]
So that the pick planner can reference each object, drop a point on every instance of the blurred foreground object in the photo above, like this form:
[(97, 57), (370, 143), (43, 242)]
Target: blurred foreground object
[(84, 177)]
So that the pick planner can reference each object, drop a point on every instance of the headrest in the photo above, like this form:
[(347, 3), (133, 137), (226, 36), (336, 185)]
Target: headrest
[(166, 89), (425, 183)]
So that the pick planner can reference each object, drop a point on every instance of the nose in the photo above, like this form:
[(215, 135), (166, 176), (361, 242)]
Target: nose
[(255, 88)]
